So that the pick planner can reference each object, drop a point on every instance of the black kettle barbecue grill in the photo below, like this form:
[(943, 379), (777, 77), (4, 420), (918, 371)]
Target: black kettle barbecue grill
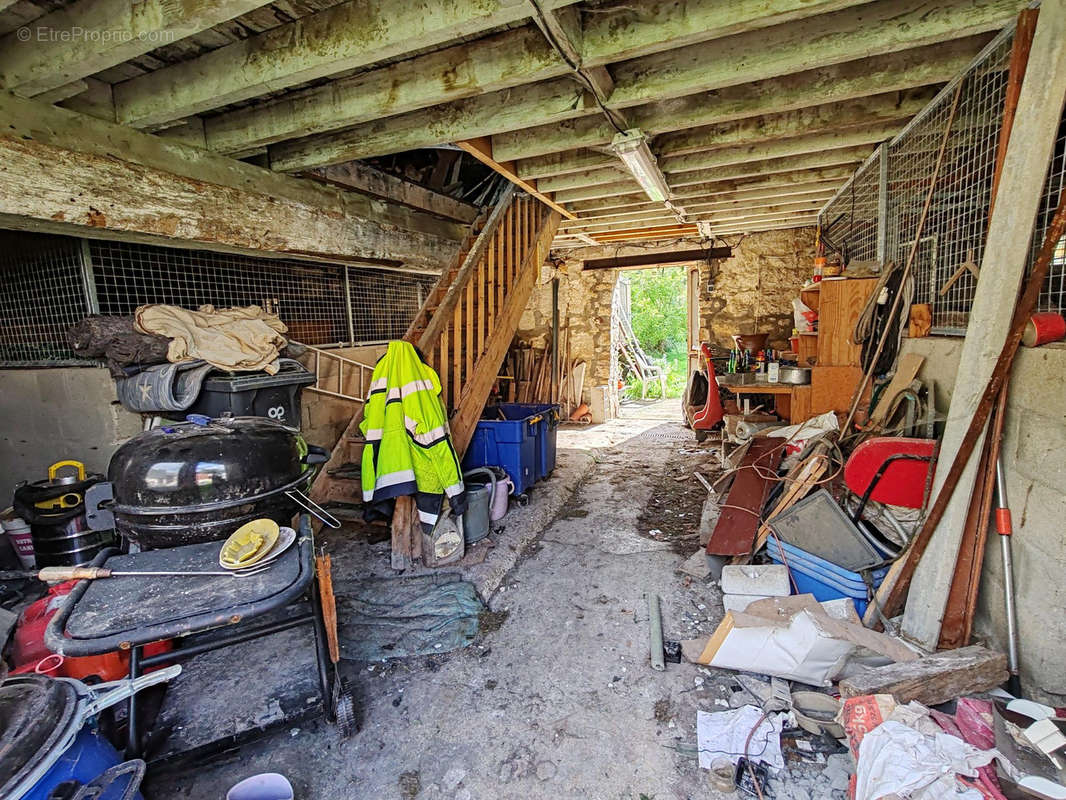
[(200, 480)]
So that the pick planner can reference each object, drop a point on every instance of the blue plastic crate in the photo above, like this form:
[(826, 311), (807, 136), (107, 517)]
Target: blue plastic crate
[(824, 579), (547, 430), (509, 443)]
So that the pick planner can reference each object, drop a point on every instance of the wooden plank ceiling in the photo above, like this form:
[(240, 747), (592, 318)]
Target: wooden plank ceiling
[(757, 110)]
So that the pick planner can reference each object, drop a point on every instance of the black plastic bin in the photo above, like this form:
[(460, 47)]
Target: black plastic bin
[(255, 394)]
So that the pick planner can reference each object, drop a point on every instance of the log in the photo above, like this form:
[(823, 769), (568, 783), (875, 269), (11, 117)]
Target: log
[(933, 679)]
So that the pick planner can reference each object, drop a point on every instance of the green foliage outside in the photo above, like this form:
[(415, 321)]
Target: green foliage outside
[(658, 300)]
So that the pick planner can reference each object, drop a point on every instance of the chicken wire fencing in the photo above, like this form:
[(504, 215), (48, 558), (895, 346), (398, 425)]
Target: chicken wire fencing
[(953, 237), (47, 283)]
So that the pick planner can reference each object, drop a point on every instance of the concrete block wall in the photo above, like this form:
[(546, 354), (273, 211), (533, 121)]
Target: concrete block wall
[(49, 415), (1034, 440)]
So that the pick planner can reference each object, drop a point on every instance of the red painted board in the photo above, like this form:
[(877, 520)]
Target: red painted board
[(904, 482), (734, 533)]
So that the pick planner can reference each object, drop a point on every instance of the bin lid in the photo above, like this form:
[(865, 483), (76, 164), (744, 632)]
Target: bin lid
[(290, 373), (36, 715)]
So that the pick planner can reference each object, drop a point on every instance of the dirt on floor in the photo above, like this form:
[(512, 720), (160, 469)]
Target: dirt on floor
[(556, 698)]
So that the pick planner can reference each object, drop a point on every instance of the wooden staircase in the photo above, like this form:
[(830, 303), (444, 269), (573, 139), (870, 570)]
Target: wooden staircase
[(463, 329)]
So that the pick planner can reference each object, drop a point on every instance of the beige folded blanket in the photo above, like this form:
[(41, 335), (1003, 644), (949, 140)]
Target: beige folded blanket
[(235, 339)]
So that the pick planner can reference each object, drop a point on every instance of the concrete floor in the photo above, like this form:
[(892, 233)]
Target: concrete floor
[(560, 700)]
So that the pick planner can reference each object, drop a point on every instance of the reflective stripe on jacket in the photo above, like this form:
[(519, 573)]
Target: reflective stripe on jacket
[(408, 445)]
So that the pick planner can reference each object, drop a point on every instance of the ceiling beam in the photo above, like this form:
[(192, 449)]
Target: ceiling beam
[(112, 31), (845, 157), (875, 29), (893, 107), (494, 63), (694, 212), (795, 133), (767, 195), (908, 69), (481, 149), (885, 27), (718, 216), (472, 118), (856, 140), (656, 233), (657, 259), (376, 183), (752, 226), (498, 62), (343, 37)]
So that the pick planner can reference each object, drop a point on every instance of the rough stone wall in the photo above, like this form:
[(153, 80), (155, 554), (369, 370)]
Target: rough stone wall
[(584, 312), (752, 291)]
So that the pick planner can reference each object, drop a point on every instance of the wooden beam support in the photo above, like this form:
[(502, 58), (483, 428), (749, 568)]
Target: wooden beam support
[(657, 259), (871, 30), (64, 172), (717, 215), (629, 31), (923, 66), (481, 149), (803, 169), (376, 183), (93, 35), (342, 37), (891, 26), (836, 159), (675, 231), (742, 189), (502, 61), (473, 118), (494, 63), (1004, 265), (890, 110)]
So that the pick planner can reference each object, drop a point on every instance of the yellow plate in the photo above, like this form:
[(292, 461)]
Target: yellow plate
[(249, 543)]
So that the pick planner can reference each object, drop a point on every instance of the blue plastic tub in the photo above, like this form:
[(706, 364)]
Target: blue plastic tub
[(88, 757), (547, 430), (824, 579), (509, 443)]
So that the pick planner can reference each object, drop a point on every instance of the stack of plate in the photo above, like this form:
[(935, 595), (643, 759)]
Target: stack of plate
[(257, 542)]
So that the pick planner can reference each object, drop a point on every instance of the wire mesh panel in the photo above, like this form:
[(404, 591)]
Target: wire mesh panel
[(47, 283), (851, 220), (309, 298), (955, 230), (1053, 295), (42, 293)]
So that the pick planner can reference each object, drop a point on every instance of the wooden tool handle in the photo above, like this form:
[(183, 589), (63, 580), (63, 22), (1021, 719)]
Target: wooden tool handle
[(324, 569), (58, 574)]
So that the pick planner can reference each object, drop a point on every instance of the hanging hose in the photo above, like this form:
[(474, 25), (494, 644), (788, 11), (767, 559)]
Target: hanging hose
[(875, 318)]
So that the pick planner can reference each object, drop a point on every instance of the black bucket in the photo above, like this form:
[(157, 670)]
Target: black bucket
[(61, 536)]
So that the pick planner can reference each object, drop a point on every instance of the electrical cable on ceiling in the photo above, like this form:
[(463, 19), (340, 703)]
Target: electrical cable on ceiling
[(576, 68)]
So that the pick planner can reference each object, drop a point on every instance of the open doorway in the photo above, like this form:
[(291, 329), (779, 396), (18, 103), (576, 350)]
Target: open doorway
[(653, 331)]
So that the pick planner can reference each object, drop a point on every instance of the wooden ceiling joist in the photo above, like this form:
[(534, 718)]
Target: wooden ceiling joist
[(34, 64), (923, 66), (343, 37), (644, 260), (481, 150)]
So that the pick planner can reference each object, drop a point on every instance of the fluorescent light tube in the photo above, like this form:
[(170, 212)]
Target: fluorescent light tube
[(632, 148)]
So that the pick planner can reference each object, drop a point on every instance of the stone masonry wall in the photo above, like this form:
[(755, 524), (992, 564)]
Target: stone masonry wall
[(752, 292), (584, 312)]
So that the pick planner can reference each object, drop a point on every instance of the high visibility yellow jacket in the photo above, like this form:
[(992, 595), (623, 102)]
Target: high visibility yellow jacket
[(408, 446)]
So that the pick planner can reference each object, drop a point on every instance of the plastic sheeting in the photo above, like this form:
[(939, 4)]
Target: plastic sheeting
[(381, 618)]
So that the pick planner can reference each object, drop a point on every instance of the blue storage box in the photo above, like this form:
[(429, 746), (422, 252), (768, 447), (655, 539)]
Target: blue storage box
[(824, 579), (547, 429), (509, 443)]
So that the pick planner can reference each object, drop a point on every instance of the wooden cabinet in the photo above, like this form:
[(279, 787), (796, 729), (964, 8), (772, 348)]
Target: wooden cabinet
[(839, 305), (832, 388)]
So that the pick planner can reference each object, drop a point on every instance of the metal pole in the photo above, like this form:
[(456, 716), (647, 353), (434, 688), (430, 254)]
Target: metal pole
[(555, 340), (348, 307), (655, 623), (882, 208), (1005, 528)]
